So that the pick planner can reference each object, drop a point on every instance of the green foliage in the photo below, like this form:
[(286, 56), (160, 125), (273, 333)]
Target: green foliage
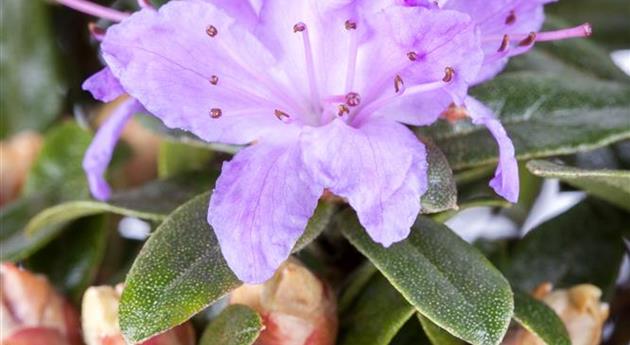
[(236, 325), (437, 335), (539, 319), (443, 277), (610, 185), (32, 87)]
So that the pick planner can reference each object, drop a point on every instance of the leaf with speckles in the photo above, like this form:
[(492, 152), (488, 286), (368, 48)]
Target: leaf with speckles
[(236, 325), (441, 194), (610, 185), (376, 316), (437, 335), (180, 271), (561, 250), (443, 277), (539, 319), (544, 114)]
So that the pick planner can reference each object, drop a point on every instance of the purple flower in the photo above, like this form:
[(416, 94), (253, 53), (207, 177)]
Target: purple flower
[(320, 89)]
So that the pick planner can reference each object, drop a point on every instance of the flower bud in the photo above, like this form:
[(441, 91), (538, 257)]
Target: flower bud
[(579, 308), (296, 307), (17, 154), (99, 317), (32, 313)]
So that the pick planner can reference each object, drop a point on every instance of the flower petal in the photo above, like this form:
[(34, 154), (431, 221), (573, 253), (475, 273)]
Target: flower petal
[(103, 86), (99, 153), (194, 67), (506, 180), (260, 207), (380, 168)]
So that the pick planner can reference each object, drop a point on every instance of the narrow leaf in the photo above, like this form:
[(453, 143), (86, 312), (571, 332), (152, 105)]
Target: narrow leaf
[(236, 325), (437, 335), (442, 191), (445, 278), (539, 319)]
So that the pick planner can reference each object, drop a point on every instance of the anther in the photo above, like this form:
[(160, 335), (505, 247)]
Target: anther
[(511, 18), (343, 109), (214, 80), (449, 73), (350, 25), (505, 44), (97, 32), (353, 99), (529, 40), (280, 114), (211, 31), (299, 27), (399, 84), (215, 113), (413, 56)]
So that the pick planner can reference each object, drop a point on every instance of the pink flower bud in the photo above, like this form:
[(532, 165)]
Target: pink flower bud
[(100, 321), (32, 313), (297, 308), (17, 154)]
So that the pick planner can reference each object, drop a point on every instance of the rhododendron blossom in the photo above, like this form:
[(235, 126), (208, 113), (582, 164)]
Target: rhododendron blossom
[(321, 90)]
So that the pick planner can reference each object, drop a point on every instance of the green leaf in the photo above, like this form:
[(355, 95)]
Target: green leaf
[(58, 165), (377, 315), (356, 282), (317, 224), (179, 271), (72, 260), (539, 319), (545, 115), (441, 194), (445, 278), (32, 88), (562, 251), (175, 158), (437, 335), (610, 185), (236, 325)]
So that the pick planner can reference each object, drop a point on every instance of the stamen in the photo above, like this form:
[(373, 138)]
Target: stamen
[(505, 44), (97, 32), (352, 54), (343, 109), (449, 73), (413, 56), (281, 114), (215, 113), (583, 30), (528, 41), (145, 4), (211, 30), (95, 10), (399, 84), (511, 18), (214, 80), (310, 64), (353, 99)]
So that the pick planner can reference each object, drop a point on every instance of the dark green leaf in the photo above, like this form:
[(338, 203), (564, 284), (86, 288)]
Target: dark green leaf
[(539, 319), (179, 271), (610, 185), (236, 325), (437, 335), (72, 260), (317, 224), (562, 251), (544, 115), (356, 282), (376, 316), (32, 89), (442, 191), (445, 278)]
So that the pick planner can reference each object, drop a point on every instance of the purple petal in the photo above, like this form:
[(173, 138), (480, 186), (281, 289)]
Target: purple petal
[(506, 180), (380, 168), (99, 153), (103, 86), (169, 59), (260, 207)]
